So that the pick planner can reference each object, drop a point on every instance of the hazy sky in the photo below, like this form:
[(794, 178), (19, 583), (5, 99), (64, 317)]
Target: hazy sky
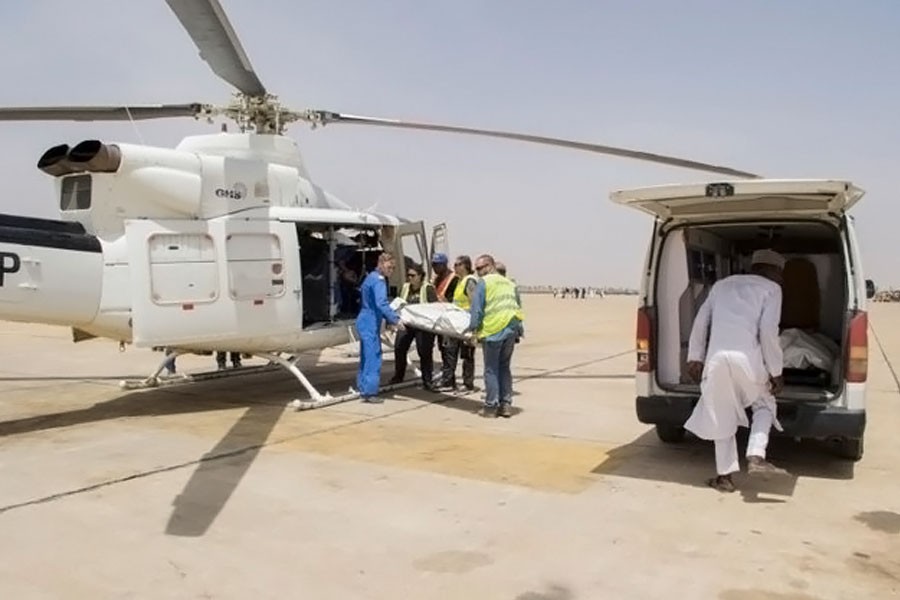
[(799, 89)]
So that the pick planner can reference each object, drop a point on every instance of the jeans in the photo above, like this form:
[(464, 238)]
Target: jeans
[(497, 371)]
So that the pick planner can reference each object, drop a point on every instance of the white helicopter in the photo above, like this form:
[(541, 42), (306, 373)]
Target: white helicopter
[(222, 243)]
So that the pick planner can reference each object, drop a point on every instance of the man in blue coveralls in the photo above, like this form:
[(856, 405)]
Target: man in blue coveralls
[(375, 307)]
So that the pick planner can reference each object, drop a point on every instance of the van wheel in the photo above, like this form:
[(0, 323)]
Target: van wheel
[(670, 434), (849, 448)]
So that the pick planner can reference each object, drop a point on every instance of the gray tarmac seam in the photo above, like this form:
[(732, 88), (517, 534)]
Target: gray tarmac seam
[(239, 451)]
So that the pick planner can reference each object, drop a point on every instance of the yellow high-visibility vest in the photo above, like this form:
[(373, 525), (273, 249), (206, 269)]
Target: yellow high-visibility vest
[(423, 292), (500, 305), (459, 294)]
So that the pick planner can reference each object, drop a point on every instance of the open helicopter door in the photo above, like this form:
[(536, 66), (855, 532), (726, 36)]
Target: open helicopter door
[(439, 241), (409, 245), (198, 283)]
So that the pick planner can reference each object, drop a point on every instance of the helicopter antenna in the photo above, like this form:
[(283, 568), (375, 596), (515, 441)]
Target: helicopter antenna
[(137, 132)]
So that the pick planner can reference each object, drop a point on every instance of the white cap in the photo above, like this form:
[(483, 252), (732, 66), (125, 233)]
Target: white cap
[(767, 257)]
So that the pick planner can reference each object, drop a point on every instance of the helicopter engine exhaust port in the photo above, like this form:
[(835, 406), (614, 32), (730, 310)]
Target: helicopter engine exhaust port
[(55, 161), (95, 156), (89, 155)]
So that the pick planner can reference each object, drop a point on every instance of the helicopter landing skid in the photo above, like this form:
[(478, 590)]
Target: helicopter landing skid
[(157, 379), (318, 400)]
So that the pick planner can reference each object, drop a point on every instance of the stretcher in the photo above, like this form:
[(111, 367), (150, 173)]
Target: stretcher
[(441, 318), (803, 350)]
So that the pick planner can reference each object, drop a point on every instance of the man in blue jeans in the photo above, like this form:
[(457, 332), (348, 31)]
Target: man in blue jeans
[(496, 318)]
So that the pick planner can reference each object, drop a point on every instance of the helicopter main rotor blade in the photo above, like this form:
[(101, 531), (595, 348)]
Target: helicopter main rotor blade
[(321, 117), (99, 113), (207, 24)]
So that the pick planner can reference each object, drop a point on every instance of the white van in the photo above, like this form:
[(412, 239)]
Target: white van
[(705, 232)]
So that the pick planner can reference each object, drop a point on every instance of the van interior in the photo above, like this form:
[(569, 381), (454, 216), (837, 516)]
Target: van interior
[(814, 317)]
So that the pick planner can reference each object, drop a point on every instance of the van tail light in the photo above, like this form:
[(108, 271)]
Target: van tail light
[(858, 352), (644, 342)]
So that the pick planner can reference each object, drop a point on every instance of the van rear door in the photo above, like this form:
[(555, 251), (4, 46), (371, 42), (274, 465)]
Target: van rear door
[(741, 200)]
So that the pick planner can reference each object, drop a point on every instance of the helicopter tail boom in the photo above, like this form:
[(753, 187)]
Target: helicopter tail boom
[(43, 261)]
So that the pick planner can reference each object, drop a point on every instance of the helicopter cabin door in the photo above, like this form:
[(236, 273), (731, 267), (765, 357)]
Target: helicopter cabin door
[(439, 240), (198, 283), (411, 247)]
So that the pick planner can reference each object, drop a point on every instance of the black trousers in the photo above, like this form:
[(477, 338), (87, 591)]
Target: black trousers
[(424, 348), (451, 351), (222, 356)]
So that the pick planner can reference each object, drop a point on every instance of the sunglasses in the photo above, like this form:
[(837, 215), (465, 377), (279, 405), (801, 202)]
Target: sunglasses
[(480, 267), (411, 275)]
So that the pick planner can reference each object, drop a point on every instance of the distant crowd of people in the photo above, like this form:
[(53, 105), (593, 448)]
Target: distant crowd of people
[(577, 292)]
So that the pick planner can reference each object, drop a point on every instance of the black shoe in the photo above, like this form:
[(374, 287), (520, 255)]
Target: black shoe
[(488, 412), (504, 411), (395, 380)]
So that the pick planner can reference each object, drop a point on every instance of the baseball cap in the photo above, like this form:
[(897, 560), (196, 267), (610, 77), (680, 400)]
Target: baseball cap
[(439, 258)]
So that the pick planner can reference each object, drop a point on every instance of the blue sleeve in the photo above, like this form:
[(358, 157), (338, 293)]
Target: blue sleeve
[(381, 301), (476, 311)]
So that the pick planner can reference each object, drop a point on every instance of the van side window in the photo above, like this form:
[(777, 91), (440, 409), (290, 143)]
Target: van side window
[(701, 266)]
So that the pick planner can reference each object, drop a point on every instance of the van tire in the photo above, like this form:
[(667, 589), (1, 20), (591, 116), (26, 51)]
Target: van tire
[(850, 448), (670, 434)]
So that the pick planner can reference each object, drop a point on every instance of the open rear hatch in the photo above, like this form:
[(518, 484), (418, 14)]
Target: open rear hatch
[(736, 200)]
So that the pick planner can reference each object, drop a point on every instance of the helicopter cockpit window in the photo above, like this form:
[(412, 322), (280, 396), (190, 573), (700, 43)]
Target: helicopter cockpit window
[(76, 193)]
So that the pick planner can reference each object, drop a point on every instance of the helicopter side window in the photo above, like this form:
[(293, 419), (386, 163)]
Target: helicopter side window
[(75, 193)]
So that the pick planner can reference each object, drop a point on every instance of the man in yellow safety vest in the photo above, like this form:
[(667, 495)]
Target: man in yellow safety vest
[(496, 319)]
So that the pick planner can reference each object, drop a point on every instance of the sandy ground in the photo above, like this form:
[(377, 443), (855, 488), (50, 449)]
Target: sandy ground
[(216, 490)]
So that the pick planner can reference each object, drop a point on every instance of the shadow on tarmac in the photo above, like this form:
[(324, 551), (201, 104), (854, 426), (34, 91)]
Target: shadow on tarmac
[(692, 462)]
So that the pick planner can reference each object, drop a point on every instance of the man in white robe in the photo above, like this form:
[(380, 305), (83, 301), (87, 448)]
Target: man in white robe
[(740, 367)]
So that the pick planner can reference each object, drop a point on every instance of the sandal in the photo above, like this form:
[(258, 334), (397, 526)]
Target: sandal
[(721, 483)]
